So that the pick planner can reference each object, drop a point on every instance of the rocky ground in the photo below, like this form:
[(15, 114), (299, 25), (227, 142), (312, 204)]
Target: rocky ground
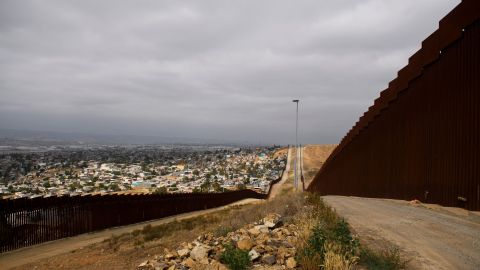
[(270, 243)]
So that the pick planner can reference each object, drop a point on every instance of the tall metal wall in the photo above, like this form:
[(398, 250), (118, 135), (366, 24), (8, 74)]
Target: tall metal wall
[(421, 138), (25, 222)]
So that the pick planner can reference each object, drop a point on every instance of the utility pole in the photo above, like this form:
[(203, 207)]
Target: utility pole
[(295, 177)]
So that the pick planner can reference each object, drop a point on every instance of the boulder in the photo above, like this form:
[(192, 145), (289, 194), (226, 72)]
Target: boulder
[(254, 231), (261, 228), (245, 244), (291, 263), (215, 265), (145, 266), (189, 262), (253, 255), (183, 252), (269, 259), (199, 252), (273, 221)]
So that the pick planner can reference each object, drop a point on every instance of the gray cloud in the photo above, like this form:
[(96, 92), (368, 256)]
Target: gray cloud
[(211, 69)]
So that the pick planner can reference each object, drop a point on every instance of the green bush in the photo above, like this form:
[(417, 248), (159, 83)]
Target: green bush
[(234, 258), (324, 233), (389, 259)]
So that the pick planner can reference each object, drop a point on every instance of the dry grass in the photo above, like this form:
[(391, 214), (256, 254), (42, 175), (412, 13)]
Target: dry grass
[(335, 259), (325, 242), (313, 158)]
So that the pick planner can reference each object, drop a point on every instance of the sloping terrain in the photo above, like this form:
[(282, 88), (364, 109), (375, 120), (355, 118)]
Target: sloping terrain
[(313, 158)]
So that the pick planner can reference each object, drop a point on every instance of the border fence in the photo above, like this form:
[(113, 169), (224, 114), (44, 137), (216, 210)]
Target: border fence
[(421, 138), (25, 222)]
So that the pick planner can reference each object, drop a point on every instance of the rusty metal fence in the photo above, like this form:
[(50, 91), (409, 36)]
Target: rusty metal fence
[(25, 222), (421, 138)]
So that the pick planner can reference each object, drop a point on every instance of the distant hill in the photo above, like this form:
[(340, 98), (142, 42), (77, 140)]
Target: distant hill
[(35, 137)]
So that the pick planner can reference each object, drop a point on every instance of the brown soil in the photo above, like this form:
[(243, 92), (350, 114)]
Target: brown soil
[(280, 152), (313, 158), (430, 236), (284, 185)]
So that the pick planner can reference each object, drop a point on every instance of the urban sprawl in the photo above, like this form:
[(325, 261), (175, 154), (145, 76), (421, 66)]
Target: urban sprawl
[(139, 169)]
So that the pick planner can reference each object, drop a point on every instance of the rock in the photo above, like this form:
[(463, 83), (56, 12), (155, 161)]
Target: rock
[(183, 252), (260, 249), (204, 261), (275, 243), (199, 252), (269, 259), (273, 221), (253, 255), (189, 262), (145, 266), (261, 228), (170, 256), (215, 265), (245, 244), (291, 263), (282, 253), (160, 266), (254, 231)]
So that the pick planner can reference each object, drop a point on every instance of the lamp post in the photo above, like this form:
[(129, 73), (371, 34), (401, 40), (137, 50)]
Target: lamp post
[(295, 178)]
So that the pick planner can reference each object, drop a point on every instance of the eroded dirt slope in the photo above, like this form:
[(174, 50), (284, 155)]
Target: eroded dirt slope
[(313, 158)]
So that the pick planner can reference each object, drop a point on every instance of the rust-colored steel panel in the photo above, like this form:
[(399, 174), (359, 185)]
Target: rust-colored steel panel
[(421, 138)]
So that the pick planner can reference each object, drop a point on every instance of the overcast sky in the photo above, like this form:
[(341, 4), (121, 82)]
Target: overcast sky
[(204, 69)]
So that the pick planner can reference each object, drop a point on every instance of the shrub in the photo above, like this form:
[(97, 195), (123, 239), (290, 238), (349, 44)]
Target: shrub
[(389, 259), (326, 240), (223, 231), (325, 233), (335, 258), (234, 258)]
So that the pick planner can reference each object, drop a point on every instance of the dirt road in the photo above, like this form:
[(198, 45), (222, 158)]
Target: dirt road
[(277, 188), (433, 237)]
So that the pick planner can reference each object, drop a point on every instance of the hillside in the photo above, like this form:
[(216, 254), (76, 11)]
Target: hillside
[(313, 158)]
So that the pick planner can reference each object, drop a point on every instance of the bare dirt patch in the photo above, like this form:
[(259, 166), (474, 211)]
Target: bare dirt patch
[(280, 152), (431, 237), (313, 158)]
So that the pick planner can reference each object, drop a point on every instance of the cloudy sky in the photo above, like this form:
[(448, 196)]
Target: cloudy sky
[(204, 69)]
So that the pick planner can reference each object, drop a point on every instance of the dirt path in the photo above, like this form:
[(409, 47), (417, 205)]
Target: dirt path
[(277, 188), (49, 249), (433, 237)]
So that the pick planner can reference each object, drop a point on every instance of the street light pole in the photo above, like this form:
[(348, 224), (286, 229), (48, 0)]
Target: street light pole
[(295, 178)]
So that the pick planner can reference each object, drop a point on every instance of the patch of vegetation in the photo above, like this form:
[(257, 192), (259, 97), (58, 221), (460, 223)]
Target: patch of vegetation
[(330, 245), (388, 259), (150, 232), (234, 258), (223, 231), (113, 242), (327, 243)]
